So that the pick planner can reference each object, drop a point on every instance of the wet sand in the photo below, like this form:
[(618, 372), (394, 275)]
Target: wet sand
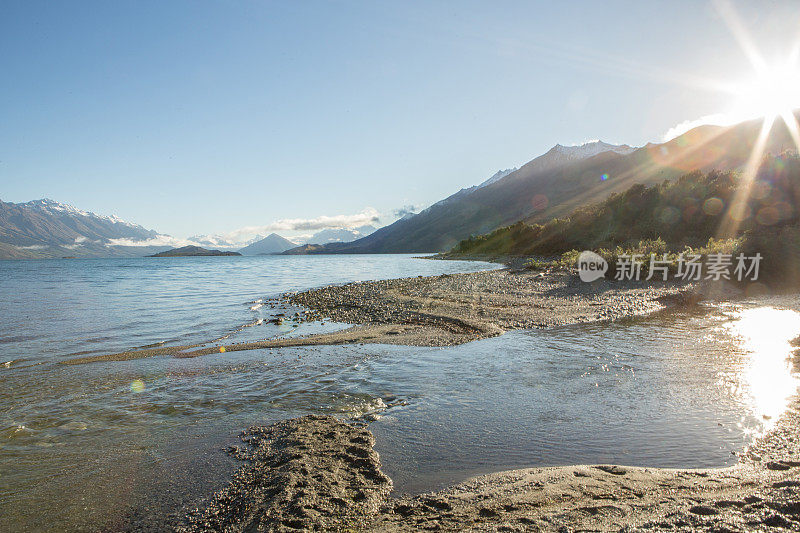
[(446, 310), (319, 473), (313, 472), (761, 492)]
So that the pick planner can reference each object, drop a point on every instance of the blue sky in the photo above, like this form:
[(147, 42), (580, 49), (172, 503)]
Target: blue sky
[(206, 117)]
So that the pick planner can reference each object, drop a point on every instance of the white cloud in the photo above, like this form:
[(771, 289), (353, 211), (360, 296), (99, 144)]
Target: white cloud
[(716, 119), (79, 240), (237, 237), (407, 210), (160, 240), (303, 237), (367, 216), (33, 247)]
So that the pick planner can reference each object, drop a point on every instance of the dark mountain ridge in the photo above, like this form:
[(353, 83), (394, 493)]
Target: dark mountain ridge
[(557, 182)]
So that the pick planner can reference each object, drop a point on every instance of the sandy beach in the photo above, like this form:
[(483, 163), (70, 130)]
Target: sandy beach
[(759, 492), (319, 473), (444, 310)]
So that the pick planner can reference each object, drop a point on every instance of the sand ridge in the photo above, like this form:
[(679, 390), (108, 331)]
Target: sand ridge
[(447, 310), (319, 473)]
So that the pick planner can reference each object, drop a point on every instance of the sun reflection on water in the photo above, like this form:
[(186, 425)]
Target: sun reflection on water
[(767, 379)]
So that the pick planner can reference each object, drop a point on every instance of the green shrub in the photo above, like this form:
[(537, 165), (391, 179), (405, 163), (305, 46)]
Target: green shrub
[(683, 216)]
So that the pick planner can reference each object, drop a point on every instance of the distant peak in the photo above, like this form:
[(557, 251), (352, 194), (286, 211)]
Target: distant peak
[(589, 149), (594, 142), (45, 201), (52, 206), (500, 174)]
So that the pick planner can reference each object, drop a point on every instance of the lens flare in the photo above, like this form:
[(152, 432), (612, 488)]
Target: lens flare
[(713, 206), (540, 202), (669, 215), (137, 386)]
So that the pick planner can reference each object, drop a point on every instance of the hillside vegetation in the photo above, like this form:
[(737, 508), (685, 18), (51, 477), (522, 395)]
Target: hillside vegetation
[(702, 212), (555, 184)]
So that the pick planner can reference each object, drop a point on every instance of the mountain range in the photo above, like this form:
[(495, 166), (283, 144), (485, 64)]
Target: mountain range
[(557, 182), (223, 242), (46, 228), (548, 186), (275, 244)]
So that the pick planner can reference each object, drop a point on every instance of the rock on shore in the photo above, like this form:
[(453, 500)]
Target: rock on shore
[(457, 308)]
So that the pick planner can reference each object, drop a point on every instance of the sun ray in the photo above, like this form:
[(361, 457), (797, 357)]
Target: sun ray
[(773, 93), (737, 27), (590, 58), (737, 210), (794, 129), (651, 166)]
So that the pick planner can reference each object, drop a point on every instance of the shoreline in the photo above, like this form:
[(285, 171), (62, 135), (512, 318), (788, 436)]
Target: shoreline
[(445, 310), (317, 472), (761, 490), (321, 473)]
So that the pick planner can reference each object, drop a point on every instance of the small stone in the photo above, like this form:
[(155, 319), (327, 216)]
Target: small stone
[(613, 469), (778, 465), (703, 510)]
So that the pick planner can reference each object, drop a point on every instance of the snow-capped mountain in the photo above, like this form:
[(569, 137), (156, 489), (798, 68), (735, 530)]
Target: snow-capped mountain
[(46, 228), (560, 155), (589, 149), (57, 208), (220, 241), (500, 174)]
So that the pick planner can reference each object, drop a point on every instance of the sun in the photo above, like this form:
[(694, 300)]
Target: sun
[(774, 92), (771, 93)]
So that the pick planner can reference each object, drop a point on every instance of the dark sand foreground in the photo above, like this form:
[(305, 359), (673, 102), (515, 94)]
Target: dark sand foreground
[(319, 473)]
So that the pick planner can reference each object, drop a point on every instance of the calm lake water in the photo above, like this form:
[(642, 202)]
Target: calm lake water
[(122, 444)]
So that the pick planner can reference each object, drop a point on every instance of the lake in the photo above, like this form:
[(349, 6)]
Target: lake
[(111, 445)]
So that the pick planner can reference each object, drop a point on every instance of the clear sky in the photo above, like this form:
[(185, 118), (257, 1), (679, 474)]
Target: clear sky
[(205, 117)]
